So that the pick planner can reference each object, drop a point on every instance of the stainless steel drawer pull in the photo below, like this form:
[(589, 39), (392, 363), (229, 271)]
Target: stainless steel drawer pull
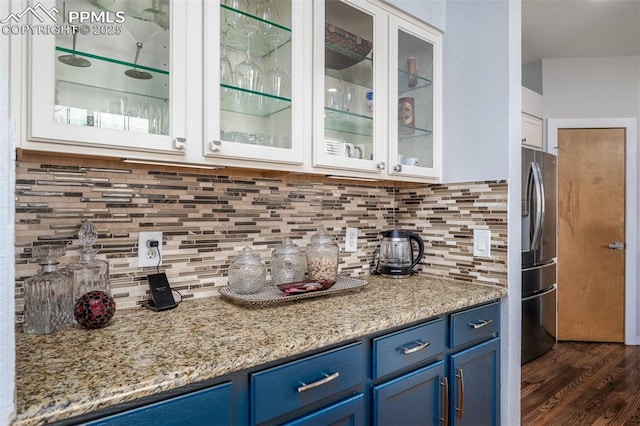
[(419, 347), (460, 410), (482, 323), (327, 378), (445, 384)]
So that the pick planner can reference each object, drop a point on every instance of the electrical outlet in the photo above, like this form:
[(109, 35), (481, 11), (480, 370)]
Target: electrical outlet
[(351, 240), (147, 255)]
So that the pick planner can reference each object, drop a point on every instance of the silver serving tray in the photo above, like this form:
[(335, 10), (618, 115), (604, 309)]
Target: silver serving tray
[(271, 295)]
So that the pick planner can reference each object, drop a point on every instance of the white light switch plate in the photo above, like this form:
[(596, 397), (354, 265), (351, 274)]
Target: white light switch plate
[(351, 240), (481, 243)]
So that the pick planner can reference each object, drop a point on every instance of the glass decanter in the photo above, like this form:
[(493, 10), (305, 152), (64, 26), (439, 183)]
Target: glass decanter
[(89, 273), (48, 295)]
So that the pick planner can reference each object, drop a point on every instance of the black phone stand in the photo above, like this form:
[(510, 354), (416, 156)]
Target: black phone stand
[(161, 295)]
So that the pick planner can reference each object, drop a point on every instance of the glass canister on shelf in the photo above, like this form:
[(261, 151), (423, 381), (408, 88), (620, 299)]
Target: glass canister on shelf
[(322, 257), (94, 305), (288, 264), (48, 295), (247, 274)]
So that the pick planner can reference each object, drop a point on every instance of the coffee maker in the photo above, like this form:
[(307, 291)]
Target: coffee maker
[(396, 258)]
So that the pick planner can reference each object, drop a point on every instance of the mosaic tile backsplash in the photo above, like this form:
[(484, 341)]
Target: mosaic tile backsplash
[(208, 216)]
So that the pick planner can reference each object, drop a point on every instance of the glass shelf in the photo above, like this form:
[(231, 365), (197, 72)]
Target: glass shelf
[(348, 122), (243, 101), (261, 36), (109, 74), (110, 60), (403, 82), (407, 132)]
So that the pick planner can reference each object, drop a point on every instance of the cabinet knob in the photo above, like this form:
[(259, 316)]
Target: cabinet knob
[(180, 143), (215, 146), (524, 139), (397, 168), (381, 165)]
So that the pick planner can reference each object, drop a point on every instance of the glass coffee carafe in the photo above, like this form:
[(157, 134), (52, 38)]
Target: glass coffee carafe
[(396, 253)]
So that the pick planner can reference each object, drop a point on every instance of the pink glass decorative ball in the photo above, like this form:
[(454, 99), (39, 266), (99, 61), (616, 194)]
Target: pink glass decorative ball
[(94, 309)]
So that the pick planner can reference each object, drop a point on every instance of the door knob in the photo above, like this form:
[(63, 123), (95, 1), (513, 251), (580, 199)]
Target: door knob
[(617, 246)]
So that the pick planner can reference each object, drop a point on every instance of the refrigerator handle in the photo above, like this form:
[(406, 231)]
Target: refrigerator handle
[(550, 290), (540, 207)]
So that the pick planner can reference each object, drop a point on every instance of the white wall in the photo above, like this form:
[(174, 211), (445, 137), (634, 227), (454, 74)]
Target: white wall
[(476, 90), (591, 87), (599, 88), (430, 11), (481, 139), (7, 150)]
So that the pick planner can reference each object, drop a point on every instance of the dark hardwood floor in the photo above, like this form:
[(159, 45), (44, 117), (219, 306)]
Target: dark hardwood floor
[(583, 384)]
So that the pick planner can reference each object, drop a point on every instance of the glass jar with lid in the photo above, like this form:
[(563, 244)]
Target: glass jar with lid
[(288, 264), (322, 257), (48, 295), (247, 274), (89, 273)]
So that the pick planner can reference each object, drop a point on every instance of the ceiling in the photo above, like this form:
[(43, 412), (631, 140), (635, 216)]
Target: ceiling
[(579, 28)]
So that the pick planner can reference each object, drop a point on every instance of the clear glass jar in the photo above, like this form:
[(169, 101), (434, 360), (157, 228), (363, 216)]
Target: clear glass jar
[(48, 295), (89, 273), (247, 274), (288, 264), (322, 257)]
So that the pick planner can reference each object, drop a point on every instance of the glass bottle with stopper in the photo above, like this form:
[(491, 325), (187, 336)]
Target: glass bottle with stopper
[(89, 273), (93, 303), (48, 295)]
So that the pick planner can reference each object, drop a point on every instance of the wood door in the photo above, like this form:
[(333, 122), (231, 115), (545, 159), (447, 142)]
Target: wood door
[(591, 207)]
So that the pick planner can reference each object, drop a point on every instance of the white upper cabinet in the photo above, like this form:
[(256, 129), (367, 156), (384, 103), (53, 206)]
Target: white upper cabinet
[(339, 87), (349, 72), (377, 92), (114, 85), (257, 64), (415, 76)]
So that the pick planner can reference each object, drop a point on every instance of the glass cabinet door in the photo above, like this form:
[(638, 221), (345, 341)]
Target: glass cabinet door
[(415, 89), (252, 105), (109, 80), (348, 115)]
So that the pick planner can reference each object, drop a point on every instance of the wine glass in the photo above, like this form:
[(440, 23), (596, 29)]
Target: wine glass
[(247, 75), (226, 72), (276, 81), (72, 59), (135, 72)]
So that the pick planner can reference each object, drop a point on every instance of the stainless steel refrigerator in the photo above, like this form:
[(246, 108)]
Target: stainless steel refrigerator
[(538, 253)]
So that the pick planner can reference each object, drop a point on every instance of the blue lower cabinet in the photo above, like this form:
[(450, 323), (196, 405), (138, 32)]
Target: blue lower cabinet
[(415, 398), (349, 412), (296, 384), (474, 376), (210, 406)]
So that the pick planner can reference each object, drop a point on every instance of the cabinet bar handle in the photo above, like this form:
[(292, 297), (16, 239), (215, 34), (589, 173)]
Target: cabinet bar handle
[(460, 410), (419, 347), (327, 378), (482, 323), (445, 384)]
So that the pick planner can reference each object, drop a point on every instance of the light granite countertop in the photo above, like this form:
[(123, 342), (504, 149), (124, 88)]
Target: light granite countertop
[(141, 352)]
